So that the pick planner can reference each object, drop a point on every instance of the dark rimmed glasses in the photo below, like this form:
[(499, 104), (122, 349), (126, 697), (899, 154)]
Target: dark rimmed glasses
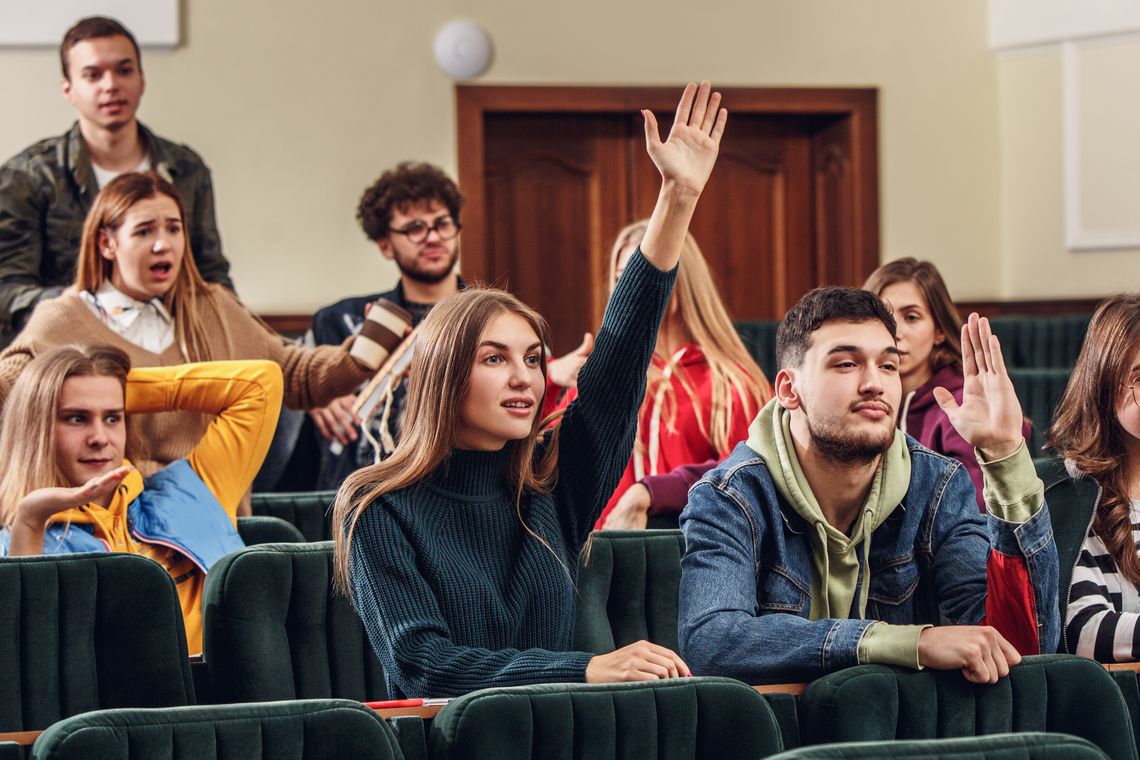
[(418, 231)]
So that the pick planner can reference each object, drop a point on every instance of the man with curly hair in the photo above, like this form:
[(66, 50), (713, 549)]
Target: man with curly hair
[(412, 214)]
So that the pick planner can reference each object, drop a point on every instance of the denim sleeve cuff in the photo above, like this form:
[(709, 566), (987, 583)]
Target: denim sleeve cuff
[(886, 644), (1012, 490)]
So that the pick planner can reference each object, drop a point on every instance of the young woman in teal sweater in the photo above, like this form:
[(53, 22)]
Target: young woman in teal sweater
[(459, 550)]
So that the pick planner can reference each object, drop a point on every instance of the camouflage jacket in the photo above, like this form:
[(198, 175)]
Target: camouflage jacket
[(45, 194)]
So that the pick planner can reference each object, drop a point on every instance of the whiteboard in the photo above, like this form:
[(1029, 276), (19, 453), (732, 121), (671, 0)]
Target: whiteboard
[(42, 23)]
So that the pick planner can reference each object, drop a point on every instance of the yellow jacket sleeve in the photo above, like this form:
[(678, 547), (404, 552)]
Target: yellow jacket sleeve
[(245, 396)]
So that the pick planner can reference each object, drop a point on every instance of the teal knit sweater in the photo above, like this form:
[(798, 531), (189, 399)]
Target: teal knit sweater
[(454, 593)]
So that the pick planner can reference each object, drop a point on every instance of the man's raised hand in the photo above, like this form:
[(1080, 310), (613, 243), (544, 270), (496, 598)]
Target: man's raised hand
[(687, 157), (989, 417)]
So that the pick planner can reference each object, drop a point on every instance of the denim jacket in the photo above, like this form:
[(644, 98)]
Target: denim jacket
[(746, 580)]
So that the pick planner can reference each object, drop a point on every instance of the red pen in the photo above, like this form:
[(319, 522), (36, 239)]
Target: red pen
[(390, 703)]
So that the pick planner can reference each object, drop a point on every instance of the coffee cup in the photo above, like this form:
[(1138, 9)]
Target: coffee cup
[(383, 329)]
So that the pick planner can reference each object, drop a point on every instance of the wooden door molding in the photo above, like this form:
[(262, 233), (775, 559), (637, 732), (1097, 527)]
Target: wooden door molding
[(846, 172)]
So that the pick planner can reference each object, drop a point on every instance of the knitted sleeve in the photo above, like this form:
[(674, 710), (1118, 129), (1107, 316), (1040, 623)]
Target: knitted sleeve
[(408, 631), (313, 376), (597, 432)]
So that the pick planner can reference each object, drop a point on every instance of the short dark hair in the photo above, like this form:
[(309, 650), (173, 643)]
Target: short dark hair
[(409, 183), (828, 304), (90, 28)]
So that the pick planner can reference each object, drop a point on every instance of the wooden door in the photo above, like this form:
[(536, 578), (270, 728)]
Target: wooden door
[(552, 174)]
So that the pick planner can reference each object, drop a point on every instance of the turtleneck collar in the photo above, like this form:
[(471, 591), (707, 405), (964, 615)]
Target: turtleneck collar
[(473, 475)]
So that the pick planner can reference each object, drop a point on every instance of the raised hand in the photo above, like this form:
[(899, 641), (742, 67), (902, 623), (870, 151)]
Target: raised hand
[(687, 157), (989, 418), (34, 510), (563, 371)]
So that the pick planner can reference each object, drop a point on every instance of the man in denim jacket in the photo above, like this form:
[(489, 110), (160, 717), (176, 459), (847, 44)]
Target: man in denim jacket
[(781, 538)]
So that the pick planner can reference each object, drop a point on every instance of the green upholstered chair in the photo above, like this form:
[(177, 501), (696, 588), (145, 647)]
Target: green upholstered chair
[(274, 629), (759, 337), (267, 530), (1039, 391), (627, 589), (1027, 746), (682, 718), (1050, 470), (1041, 341), (1055, 693), (82, 632), (302, 730), (308, 510)]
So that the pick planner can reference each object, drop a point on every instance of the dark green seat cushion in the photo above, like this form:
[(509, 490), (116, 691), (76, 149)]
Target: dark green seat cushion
[(1039, 391), (82, 632), (267, 530), (689, 718), (274, 629), (627, 589), (1026, 746), (1044, 693), (307, 510), (303, 730), (1041, 341), (759, 337)]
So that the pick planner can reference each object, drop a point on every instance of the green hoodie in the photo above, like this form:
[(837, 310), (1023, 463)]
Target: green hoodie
[(835, 558)]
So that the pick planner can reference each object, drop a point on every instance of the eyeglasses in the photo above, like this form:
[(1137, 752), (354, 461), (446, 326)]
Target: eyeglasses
[(418, 231), (1133, 385)]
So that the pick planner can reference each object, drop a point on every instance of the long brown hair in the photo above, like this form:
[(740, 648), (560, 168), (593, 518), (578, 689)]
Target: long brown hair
[(440, 376), (187, 295), (1085, 427), (27, 427), (705, 320), (925, 275)]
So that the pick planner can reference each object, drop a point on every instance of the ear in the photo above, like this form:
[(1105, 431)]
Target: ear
[(785, 390), (65, 89), (939, 337), (385, 246), (106, 245)]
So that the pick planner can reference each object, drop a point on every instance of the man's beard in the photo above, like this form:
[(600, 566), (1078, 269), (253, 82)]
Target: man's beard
[(845, 446), (427, 276)]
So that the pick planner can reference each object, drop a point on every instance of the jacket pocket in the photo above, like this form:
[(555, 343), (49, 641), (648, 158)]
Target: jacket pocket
[(778, 591), (894, 583)]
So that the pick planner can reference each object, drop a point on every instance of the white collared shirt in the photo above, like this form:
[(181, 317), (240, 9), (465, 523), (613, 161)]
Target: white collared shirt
[(147, 324)]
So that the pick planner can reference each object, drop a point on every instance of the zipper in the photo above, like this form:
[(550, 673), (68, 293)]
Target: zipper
[(1069, 590)]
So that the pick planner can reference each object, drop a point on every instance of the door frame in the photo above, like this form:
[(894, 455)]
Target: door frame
[(857, 106)]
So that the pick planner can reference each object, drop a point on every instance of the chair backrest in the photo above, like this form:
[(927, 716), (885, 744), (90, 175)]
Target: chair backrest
[(302, 730), (1041, 341), (759, 337), (81, 632), (691, 718), (267, 530), (274, 629), (627, 589), (308, 510), (1039, 391), (1044, 693), (1030, 746)]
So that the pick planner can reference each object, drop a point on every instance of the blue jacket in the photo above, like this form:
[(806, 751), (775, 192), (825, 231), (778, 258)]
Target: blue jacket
[(746, 582), (175, 509)]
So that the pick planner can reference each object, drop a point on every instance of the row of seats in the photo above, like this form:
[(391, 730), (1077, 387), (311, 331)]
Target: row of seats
[(274, 631)]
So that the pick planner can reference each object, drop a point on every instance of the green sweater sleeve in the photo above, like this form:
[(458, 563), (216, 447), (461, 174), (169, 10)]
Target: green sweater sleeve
[(887, 644), (1012, 490)]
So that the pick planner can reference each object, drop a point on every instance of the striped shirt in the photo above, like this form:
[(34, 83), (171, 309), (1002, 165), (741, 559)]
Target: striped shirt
[(1103, 617)]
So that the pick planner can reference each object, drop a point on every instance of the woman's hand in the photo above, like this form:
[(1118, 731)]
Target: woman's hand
[(687, 157), (631, 511), (34, 510), (640, 661), (989, 418), (563, 371)]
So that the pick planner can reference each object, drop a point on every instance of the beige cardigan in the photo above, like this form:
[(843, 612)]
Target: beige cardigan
[(313, 376)]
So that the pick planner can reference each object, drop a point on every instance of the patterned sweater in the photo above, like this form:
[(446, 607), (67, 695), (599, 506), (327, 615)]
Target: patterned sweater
[(1103, 617), (455, 594), (313, 377)]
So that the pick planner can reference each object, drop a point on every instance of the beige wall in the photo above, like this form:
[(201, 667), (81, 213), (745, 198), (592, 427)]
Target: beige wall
[(298, 106)]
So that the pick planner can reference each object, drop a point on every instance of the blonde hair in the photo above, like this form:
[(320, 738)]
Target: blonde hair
[(27, 427), (189, 292), (705, 320), (440, 376)]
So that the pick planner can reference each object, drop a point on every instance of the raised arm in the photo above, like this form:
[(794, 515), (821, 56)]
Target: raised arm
[(245, 396), (596, 434)]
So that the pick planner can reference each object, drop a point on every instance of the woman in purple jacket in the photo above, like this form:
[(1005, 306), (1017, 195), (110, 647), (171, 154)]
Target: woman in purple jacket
[(930, 355)]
